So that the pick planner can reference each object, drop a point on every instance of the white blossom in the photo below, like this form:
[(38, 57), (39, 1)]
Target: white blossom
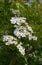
[(34, 38), (29, 28), (9, 39), (17, 20), (13, 20), (21, 48), (22, 30), (30, 37), (12, 40), (19, 31)]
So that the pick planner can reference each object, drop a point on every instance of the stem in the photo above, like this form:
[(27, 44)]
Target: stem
[(13, 61)]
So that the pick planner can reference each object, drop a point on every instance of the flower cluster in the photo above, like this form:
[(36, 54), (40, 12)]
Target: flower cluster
[(9, 39), (22, 29), (17, 20), (12, 40), (21, 48), (16, 12)]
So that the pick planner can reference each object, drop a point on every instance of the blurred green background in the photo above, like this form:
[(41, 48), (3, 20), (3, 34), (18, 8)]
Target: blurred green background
[(33, 12)]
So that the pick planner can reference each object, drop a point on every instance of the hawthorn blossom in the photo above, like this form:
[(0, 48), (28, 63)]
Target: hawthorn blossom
[(17, 20), (12, 40), (9, 40), (22, 29), (34, 38), (21, 48), (30, 37)]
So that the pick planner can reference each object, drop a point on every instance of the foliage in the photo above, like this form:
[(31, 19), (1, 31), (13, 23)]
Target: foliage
[(9, 55)]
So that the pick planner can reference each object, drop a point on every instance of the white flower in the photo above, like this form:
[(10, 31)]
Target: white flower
[(12, 40), (22, 30), (17, 33), (29, 28), (25, 64), (19, 45), (13, 20), (21, 49), (7, 43), (22, 34), (5, 38), (9, 39), (34, 38), (30, 37), (17, 20)]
